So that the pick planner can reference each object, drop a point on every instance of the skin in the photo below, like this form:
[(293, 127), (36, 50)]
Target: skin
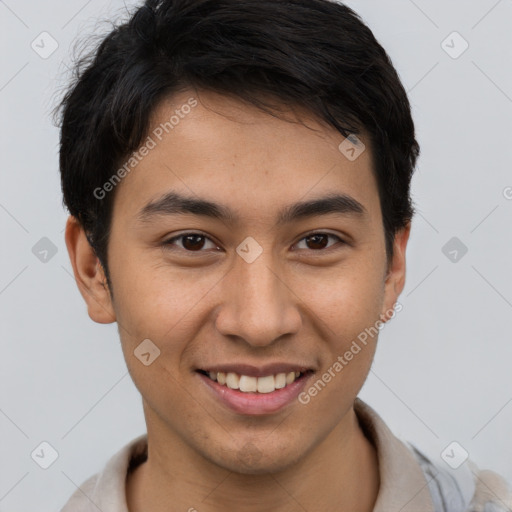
[(295, 302)]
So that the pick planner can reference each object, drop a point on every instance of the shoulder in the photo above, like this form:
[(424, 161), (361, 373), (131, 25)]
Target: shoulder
[(106, 490), (465, 489)]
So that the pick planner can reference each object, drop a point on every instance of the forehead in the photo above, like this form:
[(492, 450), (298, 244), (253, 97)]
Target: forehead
[(217, 148)]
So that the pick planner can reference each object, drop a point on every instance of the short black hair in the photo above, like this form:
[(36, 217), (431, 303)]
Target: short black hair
[(314, 54)]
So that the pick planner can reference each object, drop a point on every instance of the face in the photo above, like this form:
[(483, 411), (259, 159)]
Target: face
[(246, 248)]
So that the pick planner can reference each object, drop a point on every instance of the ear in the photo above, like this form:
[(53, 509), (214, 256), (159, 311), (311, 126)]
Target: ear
[(89, 274), (395, 277)]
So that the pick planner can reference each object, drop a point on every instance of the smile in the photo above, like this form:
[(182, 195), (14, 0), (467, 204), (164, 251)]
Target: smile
[(264, 393), (249, 384)]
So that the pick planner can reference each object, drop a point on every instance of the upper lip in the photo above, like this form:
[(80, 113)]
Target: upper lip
[(256, 371)]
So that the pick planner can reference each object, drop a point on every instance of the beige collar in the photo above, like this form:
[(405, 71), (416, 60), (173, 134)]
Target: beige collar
[(403, 487), (402, 484)]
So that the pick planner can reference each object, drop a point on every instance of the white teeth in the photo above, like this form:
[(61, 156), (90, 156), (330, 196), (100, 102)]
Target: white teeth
[(248, 384), (232, 380), (280, 380), (266, 384)]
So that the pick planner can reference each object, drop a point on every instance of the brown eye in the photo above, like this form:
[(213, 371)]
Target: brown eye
[(319, 241), (193, 242), (190, 242)]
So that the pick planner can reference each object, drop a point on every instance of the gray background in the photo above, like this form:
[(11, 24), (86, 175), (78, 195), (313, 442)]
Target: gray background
[(442, 370)]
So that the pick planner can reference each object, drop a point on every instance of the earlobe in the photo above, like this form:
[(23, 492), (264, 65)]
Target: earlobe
[(395, 278), (89, 274)]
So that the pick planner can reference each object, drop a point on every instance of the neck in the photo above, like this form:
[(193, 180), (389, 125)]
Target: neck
[(340, 474)]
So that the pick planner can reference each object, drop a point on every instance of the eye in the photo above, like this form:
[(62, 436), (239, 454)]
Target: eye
[(318, 241), (196, 242), (190, 242)]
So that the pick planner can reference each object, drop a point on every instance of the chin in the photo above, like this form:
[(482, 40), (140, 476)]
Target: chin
[(258, 459)]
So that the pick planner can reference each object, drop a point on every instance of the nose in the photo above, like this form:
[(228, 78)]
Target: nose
[(258, 305)]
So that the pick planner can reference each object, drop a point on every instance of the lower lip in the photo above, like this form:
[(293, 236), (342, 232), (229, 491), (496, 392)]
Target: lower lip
[(256, 403)]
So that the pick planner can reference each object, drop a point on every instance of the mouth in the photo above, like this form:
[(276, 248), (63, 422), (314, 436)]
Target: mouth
[(252, 384), (251, 391)]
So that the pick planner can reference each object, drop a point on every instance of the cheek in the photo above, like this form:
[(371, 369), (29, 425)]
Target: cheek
[(161, 303), (346, 299), (348, 306)]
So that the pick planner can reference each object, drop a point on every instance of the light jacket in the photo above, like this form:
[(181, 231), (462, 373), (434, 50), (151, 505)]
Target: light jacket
[(409, 480)]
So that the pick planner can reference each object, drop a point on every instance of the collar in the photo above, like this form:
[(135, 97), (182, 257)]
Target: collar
[(403, 486)]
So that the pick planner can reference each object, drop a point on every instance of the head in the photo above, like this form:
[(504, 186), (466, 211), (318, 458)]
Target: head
[(208, 120)]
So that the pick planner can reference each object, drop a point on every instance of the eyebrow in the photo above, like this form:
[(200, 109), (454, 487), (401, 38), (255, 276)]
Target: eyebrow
[(173, 203)]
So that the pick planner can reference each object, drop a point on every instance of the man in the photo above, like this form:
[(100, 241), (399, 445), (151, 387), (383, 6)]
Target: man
[(237, 174)]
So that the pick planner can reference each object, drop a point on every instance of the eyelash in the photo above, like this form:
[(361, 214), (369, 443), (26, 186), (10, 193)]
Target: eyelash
[(170, 242)]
